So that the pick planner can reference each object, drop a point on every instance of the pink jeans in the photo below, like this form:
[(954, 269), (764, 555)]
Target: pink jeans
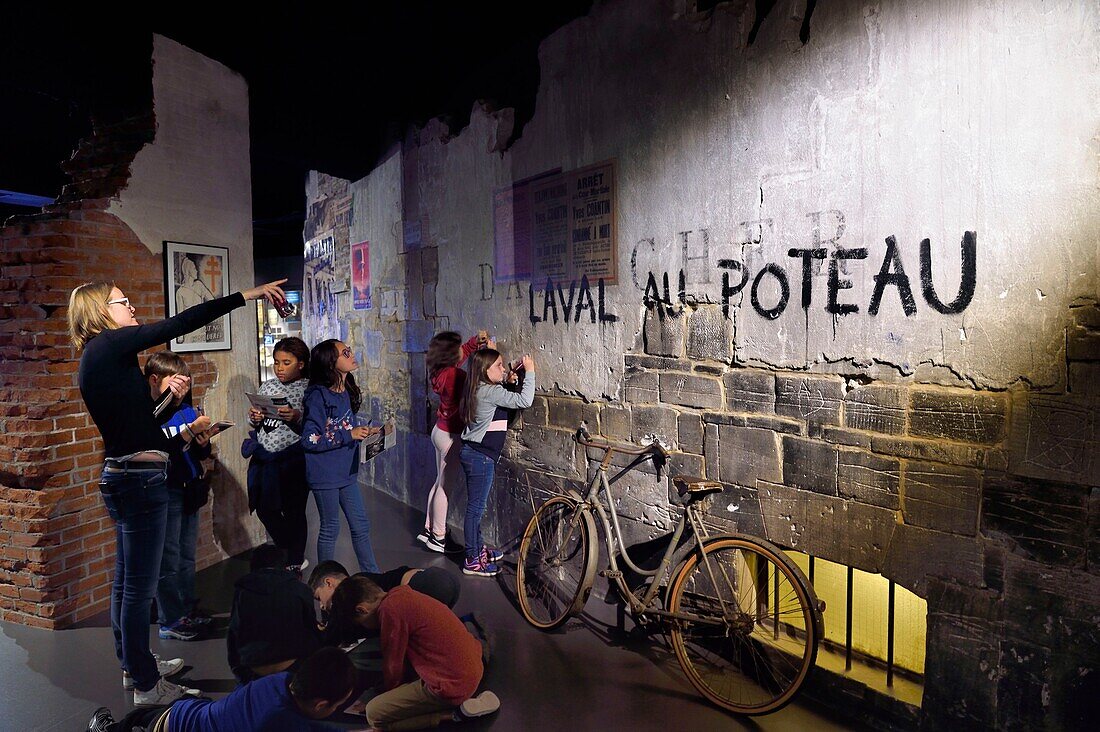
[(447, 447)]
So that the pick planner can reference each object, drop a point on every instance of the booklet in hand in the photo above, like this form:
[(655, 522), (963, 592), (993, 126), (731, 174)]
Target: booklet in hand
[(383, 440), (269, 405)]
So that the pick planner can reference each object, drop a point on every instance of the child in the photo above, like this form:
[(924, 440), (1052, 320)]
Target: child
[(189, 442), (435, 582), (421, 632), (278, 703), (446, 354), (272, 625), (330, 437), (486, 408), (277, 488)]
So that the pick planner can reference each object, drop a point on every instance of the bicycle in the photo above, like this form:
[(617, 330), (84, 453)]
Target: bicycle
[(742, 619)]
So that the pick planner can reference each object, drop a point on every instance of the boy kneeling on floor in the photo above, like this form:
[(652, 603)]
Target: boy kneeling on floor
[(420, 631), (279, 703)]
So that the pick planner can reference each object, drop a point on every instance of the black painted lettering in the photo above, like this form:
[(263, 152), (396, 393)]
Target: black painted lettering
[(780, 275), (548, 304), (808, 255), (585, 293), (727, 291), (836, 284), (967, 280), (567, 307), (892, 261), (652, 294), (605, 317), (531, 305)]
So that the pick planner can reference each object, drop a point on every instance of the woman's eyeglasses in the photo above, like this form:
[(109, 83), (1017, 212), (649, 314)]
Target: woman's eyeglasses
[(123, 301)]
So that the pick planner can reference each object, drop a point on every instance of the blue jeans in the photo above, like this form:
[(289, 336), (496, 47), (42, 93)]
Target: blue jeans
[(330, 501), (137, 501), (479, 469), (176, 587), (170, 607), (189, 541)]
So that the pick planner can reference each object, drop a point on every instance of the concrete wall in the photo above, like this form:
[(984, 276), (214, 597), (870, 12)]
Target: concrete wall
[(946, 438)]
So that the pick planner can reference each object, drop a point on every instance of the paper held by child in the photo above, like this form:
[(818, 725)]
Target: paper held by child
[(269, 405), (376, 443)]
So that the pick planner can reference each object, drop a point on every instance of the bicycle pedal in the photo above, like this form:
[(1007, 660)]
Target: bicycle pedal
[(611, 573)]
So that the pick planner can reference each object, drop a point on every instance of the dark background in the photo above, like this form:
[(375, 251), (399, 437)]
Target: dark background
[(332, 86)]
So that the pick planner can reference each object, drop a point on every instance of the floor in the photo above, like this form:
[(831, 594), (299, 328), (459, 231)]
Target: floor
[(578, 678)]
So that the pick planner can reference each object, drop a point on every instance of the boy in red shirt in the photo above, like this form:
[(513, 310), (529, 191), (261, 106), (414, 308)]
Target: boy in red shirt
[(418, 631)]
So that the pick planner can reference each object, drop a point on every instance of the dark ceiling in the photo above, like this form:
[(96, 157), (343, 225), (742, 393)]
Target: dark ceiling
[(332, 86)]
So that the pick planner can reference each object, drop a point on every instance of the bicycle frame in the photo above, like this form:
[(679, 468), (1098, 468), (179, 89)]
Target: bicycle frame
[(615, 547)]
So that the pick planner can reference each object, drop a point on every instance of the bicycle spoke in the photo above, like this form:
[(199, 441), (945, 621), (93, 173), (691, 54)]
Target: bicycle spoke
[(553, 571), (748, 663)]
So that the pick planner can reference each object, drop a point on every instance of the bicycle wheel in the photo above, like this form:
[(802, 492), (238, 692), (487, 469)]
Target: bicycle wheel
[(756, 628), (556, 566)]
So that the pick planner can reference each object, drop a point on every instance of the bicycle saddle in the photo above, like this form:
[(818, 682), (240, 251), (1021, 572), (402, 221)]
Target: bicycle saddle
[(689, 487)]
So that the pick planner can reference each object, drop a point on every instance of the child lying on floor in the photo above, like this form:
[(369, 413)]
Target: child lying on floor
[(278, 703)]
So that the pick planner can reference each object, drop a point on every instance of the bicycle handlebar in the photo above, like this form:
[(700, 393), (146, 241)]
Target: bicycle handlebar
[(582, 437)]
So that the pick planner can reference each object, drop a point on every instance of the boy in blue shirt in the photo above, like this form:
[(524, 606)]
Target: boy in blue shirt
[(282, 702), (189, 447)]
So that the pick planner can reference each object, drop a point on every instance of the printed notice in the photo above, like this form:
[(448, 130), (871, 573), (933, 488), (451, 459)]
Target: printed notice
[(549, 207), (592, 223)]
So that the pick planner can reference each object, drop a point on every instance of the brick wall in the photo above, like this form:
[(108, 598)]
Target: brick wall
[(57, 548)]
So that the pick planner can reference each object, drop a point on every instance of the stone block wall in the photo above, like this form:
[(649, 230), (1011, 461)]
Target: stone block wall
[(937, 427)]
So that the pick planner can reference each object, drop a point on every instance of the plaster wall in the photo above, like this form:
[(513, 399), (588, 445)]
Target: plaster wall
[(194, 184), (911, 120), (946, 439)]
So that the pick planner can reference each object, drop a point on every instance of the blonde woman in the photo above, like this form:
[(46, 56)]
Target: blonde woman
[(134, 489)]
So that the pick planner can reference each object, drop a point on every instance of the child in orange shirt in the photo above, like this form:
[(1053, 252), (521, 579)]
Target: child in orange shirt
[(418, 631)]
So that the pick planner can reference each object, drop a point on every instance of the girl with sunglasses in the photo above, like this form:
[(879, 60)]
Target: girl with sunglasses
[(330, 438)]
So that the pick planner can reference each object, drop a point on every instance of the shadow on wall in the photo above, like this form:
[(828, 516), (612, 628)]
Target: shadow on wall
[(233, 530)]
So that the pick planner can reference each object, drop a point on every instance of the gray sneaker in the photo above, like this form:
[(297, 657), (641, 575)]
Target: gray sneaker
[(170, 667), (164, 693)]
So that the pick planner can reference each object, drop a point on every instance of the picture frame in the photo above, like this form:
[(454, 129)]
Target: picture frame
[(195, 273)]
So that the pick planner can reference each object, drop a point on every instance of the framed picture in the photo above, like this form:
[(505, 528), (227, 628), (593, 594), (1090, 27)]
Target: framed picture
[(195, 273)]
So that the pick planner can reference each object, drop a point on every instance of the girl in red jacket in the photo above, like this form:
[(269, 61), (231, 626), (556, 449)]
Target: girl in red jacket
[(446, 354)]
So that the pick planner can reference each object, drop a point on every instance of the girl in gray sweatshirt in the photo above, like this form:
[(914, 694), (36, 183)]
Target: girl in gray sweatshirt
[(486, 407)]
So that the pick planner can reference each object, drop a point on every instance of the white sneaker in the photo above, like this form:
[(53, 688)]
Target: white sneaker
[(165, 692), (164, 668), (478, 706)]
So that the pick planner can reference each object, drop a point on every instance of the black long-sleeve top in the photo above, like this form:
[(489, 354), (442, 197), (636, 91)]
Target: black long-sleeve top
[(114, 388)]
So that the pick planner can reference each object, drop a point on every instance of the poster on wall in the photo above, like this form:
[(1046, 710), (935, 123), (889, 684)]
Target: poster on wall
[(319, 313), (196, 273), (342, 242), (549, 207), (557, 226), (592, 223), (360, 276), (512, 229)]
